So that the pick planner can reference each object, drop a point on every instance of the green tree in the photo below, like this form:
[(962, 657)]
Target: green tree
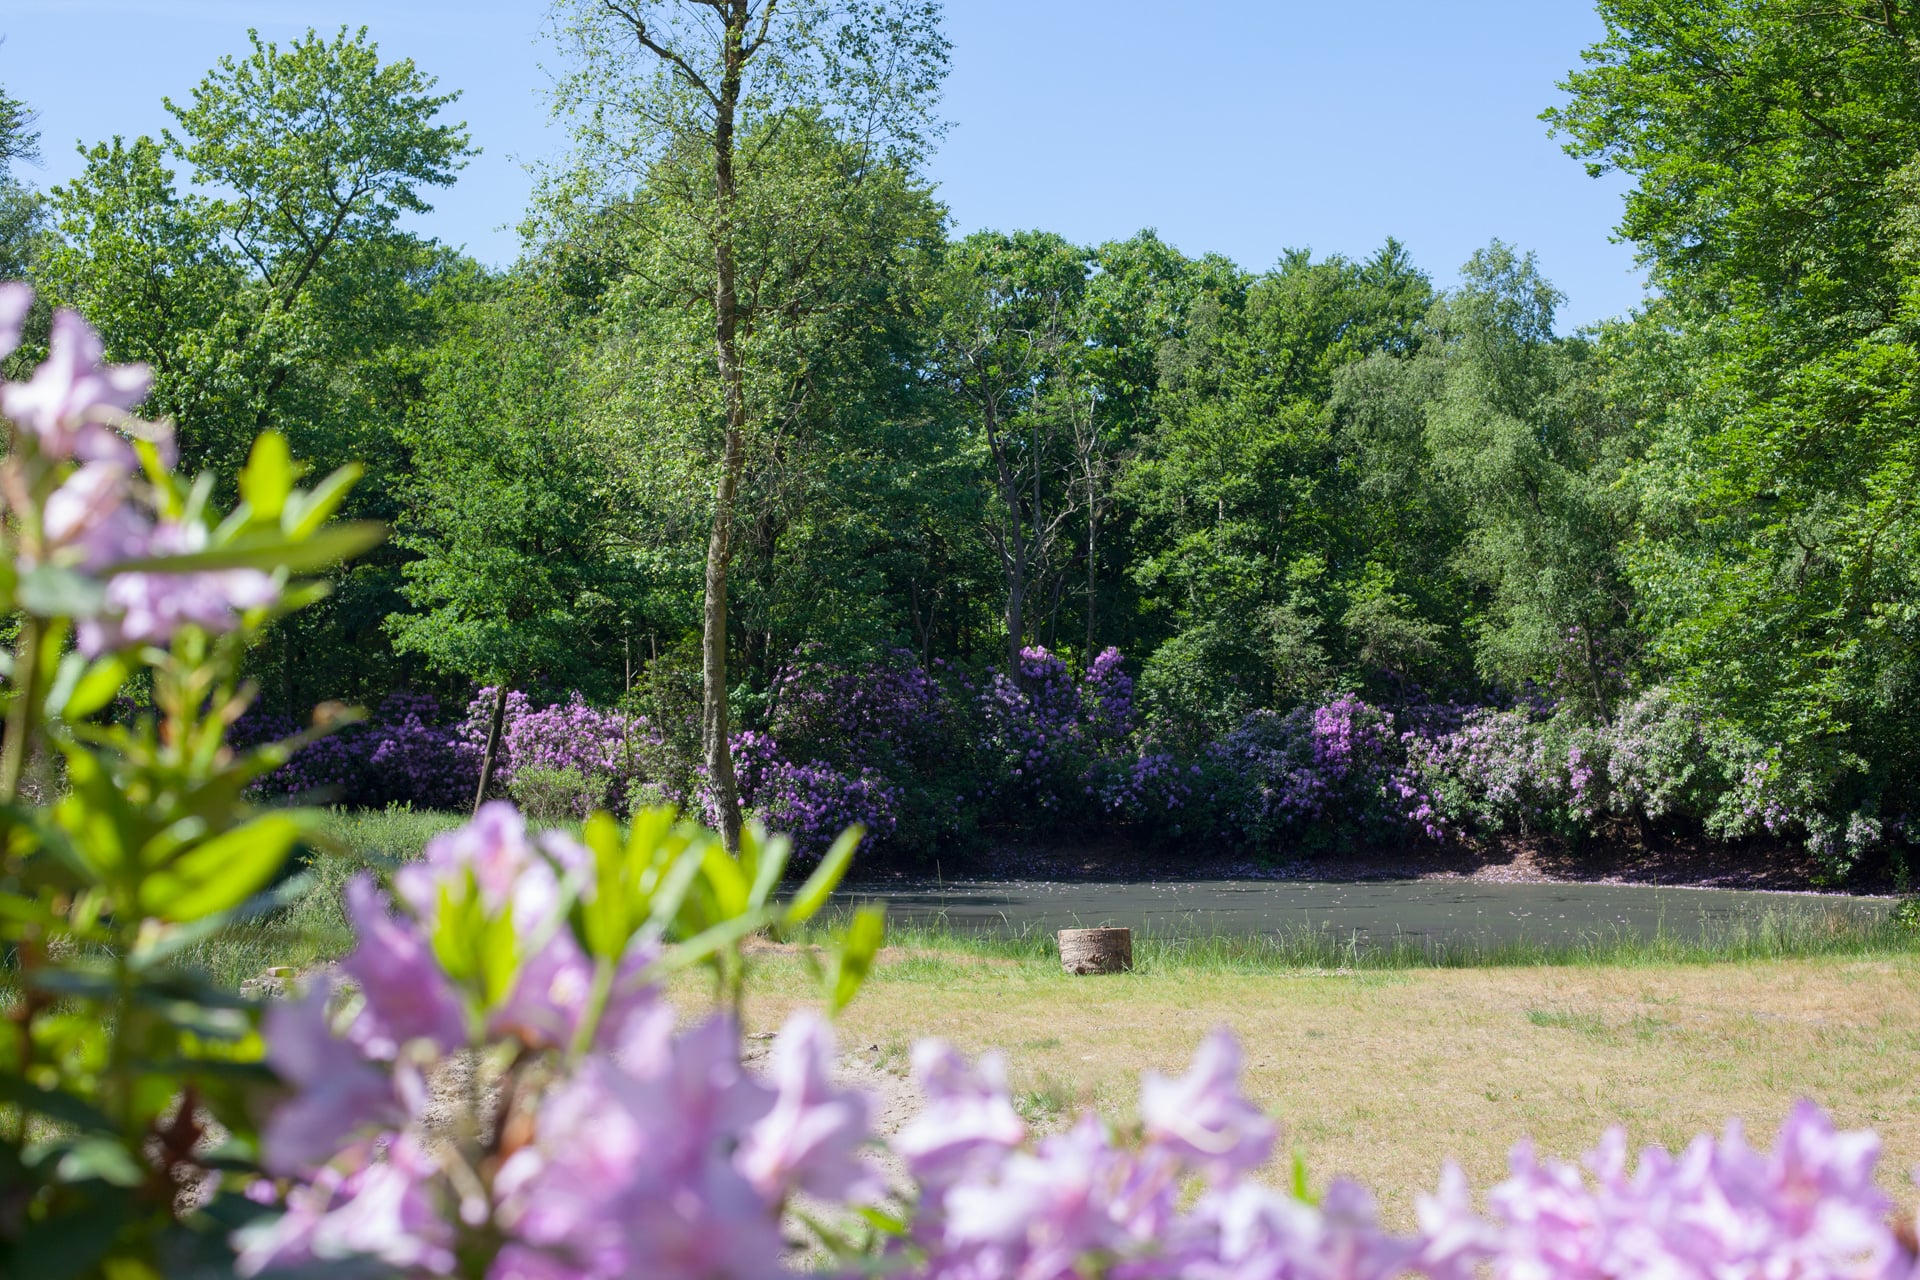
[(22, 215), (507, 511), (1520, 431), (277, 288), (682, 107), (1771, 148), (1006, 348)]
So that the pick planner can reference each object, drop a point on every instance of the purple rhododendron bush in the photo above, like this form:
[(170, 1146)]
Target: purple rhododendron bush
[(493, 1084), (923, 759)]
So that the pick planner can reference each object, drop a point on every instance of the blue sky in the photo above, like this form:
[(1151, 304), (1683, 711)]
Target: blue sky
[(1237, 126)]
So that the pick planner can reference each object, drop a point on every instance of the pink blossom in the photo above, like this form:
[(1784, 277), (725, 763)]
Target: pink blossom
[(506, 865), (1255, 1233), (968, 1120), (73, 392), (146, 607), (337, 1092), (812, 1137), (1202, 1118), (90, 521), (1076, 1197), (632, 1171), (16, 300), (384, 1210), (407, 996)]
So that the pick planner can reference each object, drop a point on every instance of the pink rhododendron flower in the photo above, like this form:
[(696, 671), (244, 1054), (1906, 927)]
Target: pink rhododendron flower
[(633, 1168), (337, 1092), (407, 996), (1249, 1232), (811, 1139), (968, 1119), (1202, 1117), (145, 607), (1076, 1196), (73, 394), (90, 522), (383, 1210), (1808, 1210)]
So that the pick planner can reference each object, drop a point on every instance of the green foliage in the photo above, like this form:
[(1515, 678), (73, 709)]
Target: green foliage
[(119, 1062), (508, 512), (253, 257)]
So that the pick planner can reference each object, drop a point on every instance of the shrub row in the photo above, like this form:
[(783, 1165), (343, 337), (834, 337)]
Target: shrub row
[(922, 758)]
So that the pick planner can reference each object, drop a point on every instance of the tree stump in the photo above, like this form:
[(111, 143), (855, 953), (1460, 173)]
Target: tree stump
[(1096, 950)]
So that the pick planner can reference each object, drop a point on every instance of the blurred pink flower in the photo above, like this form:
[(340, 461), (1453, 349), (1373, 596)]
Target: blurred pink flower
[(1202, 1118), (73, 395), (16, 300), (811, 1139), (337, 1092), (968, 1119), (407, 996)]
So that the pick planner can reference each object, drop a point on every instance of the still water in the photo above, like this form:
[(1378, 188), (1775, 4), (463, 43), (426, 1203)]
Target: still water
[(1421, 912)]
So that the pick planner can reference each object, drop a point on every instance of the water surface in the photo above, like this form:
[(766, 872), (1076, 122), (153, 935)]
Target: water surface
[(1421, 912)]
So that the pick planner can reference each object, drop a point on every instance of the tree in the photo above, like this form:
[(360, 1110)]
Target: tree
[(278, 289), (1005, 350), (1519, 429), (713, 85), (507, 512), (1770, 144), (22, 216)]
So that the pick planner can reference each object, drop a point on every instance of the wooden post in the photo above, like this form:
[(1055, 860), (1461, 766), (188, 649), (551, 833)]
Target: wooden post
[(1096, 950)]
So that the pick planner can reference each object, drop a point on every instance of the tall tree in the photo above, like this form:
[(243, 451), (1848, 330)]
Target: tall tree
[(507, 512), (1008, 333), (277, 287), (720, 81), (1770, 145), (22, 217)]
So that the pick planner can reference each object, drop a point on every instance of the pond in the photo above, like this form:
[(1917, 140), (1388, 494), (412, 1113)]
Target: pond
[(1420, 913)]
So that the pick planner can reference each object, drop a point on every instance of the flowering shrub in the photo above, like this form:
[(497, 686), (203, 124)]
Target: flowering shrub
[(125, 1079), (597, 745), (1312, 772), (402, 755), (1051, 744)]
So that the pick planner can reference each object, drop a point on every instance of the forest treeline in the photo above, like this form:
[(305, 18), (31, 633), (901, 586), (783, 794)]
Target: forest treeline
[(1324, 483)]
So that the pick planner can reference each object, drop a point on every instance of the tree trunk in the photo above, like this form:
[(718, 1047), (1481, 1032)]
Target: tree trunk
[(492, 753), (714, 720), (1105, 950)]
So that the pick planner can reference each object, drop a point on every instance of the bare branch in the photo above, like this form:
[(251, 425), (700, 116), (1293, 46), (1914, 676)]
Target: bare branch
[(630, 14)]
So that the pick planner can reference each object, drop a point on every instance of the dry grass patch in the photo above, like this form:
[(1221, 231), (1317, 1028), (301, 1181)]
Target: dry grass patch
[(1384, 1074)]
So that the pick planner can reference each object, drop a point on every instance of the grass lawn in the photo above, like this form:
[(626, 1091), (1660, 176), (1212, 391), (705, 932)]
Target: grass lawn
[(1380, 1065), (1383, 1074)]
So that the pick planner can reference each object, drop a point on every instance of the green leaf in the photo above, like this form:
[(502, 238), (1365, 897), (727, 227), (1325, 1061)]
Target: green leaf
[(268, 476), (160, 946), (59, 593), (708, 941), (90, 1159), (55, 1104), (825, 879), (269, 551), (866, 932), (306, 512), (97, 688), (224, 871)]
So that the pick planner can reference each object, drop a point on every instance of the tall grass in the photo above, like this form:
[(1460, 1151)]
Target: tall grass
[(1773, 935)]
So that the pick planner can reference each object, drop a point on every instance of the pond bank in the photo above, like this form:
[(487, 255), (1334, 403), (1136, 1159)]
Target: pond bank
[(1777, 867)]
